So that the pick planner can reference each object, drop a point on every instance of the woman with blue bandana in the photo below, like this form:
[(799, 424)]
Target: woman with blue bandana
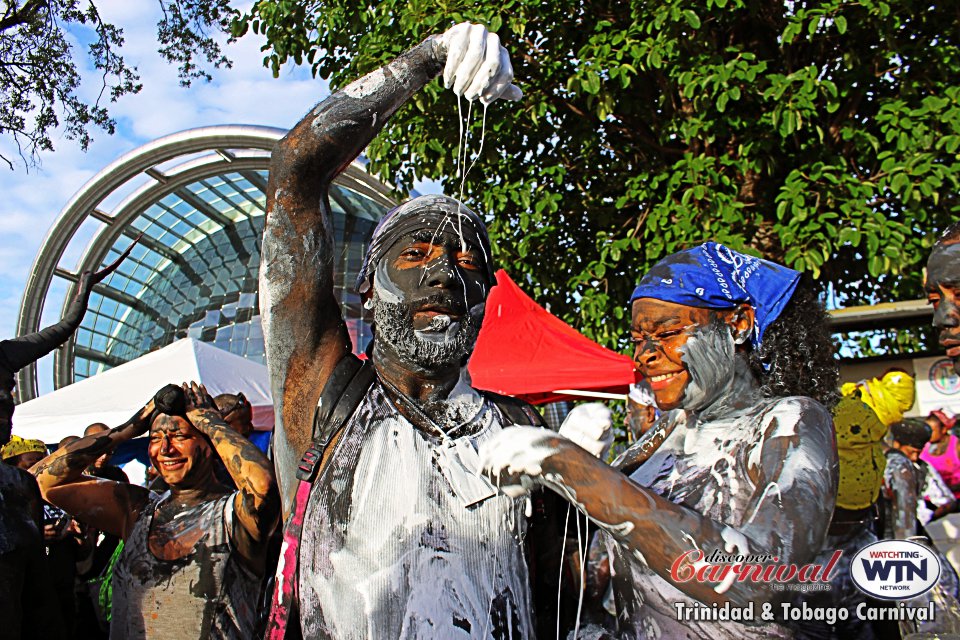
[(742, 462)]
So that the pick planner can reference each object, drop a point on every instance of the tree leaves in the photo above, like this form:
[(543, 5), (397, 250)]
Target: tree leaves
[(822, 135), (39, 82)]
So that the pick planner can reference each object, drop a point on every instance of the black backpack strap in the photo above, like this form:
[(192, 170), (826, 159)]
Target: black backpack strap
[(516, 411), (340, 397), (345, 388)]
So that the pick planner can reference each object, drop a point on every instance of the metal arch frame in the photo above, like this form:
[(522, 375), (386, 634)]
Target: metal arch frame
[(218, 140), (127, 212)]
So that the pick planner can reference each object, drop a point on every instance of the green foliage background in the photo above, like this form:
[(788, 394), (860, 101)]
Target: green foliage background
[(824, 135)]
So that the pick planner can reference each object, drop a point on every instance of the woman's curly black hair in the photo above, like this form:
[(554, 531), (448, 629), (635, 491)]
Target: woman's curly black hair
[(797, 354)]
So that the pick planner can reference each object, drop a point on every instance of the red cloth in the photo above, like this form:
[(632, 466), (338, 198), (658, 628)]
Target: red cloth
[(946, 421), (526, 352)]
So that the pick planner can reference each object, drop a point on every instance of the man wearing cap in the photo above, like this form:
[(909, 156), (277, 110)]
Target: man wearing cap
[(236, 412), (400, 537)]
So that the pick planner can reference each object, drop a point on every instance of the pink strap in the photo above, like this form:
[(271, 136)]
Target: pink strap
[(285, 589)]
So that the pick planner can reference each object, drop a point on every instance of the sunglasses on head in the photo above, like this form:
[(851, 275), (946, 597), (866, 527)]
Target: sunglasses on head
[(241, 403)]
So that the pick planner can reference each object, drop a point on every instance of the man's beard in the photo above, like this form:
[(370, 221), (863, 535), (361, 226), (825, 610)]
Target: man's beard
[(426, 351)]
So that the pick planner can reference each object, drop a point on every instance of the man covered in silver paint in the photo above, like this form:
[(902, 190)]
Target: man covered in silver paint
[(401, 537)]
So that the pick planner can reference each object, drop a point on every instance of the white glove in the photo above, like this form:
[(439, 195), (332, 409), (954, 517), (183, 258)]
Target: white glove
[(590, 426), (477, 66), (513, 458)]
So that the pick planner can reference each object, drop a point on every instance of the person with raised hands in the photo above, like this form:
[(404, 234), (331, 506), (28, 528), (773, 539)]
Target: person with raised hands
[(193, 558), (390, 531), (24, 591)]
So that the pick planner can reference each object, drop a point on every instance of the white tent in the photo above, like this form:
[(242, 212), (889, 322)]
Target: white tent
[(114, 395)]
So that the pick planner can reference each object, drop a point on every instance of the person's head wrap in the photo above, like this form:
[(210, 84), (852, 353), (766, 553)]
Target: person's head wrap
[(641, 393), (911, 432), (18, 446), (945, 420), (713, 276), (889, 396), (435, 213)]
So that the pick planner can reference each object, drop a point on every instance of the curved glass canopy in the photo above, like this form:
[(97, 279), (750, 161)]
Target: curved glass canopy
[(194, 270)]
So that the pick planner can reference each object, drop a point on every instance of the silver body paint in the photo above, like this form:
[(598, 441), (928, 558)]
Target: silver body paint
[(717, 378), (706, 466), (708, 462), (410, 560)]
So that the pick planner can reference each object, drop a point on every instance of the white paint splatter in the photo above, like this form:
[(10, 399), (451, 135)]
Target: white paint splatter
[(367, 85)]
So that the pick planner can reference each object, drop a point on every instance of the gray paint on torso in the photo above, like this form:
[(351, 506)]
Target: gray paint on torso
[(389, 549), (207, 594), (707, 467)]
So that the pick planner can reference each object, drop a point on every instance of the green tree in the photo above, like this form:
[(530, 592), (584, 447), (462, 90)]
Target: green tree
[(39, 80), (824, 135)]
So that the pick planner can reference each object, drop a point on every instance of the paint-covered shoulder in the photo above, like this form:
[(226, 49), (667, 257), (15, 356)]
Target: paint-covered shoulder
[(798, 415), (898, 467)]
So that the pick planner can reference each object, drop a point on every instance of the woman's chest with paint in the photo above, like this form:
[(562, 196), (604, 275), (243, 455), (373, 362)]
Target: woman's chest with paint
[(706, 467)]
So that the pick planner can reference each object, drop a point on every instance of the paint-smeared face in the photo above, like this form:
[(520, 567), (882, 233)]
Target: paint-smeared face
[(179, 452), (685, 353), (95, 428), (913, 453), (942, 286), (428, 297)]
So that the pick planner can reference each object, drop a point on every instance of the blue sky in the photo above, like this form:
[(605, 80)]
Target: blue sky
[(245, 94)]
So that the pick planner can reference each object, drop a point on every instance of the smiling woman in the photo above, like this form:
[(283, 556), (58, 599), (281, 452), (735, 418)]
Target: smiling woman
[(743, 461)]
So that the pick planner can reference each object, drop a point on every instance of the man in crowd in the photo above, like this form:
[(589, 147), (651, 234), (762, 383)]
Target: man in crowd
[(432, 551), (101, 468), (193, 559), (642, 410), (236, 412), (942, 285), (902, 479)]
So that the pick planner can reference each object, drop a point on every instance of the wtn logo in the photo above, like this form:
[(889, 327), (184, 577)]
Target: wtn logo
[(895, 569), (902, 570)]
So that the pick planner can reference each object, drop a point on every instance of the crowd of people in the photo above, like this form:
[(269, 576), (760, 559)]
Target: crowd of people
[(416, 506)]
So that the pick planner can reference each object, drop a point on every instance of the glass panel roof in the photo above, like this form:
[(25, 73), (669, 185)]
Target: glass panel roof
[(194, 273)]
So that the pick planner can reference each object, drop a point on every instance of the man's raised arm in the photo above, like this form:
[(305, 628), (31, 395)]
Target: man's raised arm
[(303, 328), (257, 503), (104, 504)]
